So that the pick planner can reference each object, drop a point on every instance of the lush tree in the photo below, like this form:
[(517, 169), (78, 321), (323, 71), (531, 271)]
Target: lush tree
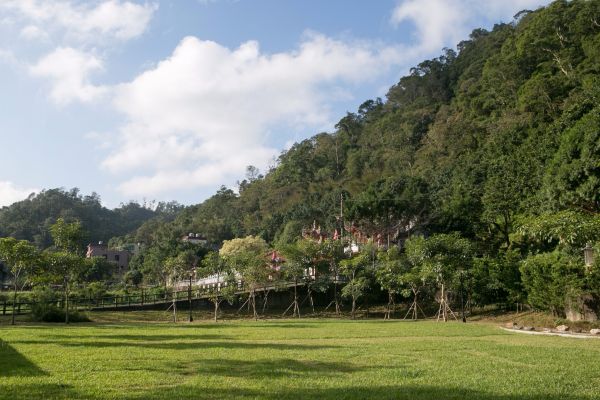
[(390, 267), (68, 237), (356, 270), (21, 257), (226, 286), (61, 267), (248, 257), (442, 258)]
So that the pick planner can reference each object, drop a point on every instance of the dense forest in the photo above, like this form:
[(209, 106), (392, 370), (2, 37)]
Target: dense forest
[(468, 142), (492, 150), (31, 219), (489, 142)]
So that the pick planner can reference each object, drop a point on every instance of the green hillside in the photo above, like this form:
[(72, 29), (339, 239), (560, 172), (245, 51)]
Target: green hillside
[(505, 126)]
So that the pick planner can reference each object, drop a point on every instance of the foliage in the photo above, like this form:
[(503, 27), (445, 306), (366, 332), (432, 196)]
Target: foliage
[(551, 279), (566, 227), (31, 219)]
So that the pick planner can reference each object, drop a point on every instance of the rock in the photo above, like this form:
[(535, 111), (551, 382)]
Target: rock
[(562, 328), (595, 331), (518, 327), (528, 328), (577, 330), (547, 330), (509, 325)]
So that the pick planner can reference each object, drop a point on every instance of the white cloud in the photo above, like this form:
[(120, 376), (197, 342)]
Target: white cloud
[(8, 57), (85, 21), (68, 71), (32, 32), (9, 193), (444, 23), (436, 21), (199, 117)]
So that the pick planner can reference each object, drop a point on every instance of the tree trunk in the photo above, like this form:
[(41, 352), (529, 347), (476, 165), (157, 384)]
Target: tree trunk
[(66, 301), (312, 303), (353, 306), (335, 298), (14, 302), (254, 305), (190, 317), (296, 307), (216, 309), (388, 314), (444, 302)]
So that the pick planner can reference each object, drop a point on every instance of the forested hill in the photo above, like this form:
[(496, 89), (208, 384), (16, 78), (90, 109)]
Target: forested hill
[(506, 126), (31, 218)]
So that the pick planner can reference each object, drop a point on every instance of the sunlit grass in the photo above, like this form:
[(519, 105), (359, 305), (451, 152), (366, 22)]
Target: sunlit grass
[(308, 359)]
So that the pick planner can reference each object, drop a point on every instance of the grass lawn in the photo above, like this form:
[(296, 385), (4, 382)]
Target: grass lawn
[(285, 359)]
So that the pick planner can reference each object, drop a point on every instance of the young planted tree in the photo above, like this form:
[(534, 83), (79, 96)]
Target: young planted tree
[(333, 252), (177, 268), (67, 262), (355, 270), (247, 257), (390, 268), (226, 283), (300, 259), (21, 256), (441, 258), (63, 267)]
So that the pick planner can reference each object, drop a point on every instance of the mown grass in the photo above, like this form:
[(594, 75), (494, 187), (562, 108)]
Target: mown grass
[(285, 359)]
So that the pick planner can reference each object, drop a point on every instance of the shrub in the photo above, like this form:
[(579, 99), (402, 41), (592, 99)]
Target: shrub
[(45, 307), (550, 279), (54, 314)]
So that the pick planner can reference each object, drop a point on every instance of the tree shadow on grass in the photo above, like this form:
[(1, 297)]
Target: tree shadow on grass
[(139, 338), (31, 391), (13, 363), (267, 368), (188, 345), (408, 392)]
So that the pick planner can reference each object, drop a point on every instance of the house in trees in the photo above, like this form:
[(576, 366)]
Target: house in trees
[(195, 238), (118, 257), (314, 233)]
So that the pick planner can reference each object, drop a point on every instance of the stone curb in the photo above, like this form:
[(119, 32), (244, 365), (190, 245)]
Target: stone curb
[(568, 335)]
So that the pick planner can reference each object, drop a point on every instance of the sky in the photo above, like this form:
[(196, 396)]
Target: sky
[(170, 99)]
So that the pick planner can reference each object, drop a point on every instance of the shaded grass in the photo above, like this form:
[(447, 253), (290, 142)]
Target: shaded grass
[(284, 359)]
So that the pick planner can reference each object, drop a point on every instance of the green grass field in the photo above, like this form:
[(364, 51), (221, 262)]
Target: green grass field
[(284, 359)]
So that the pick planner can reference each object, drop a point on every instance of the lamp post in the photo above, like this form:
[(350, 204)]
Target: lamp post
[(588, 255)]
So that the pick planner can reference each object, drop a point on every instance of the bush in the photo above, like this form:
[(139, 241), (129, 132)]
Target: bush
[(54, 314), (551, 279), (45, 307)]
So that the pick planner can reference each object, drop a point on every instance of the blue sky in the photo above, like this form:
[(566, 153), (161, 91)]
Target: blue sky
[(169, 99)]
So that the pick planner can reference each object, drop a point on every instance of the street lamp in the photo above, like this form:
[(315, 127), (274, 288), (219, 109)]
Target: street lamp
[(588, 255)]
